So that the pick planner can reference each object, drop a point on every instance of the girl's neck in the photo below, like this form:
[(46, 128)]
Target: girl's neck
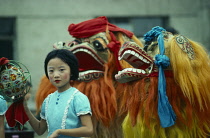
[(63, 89)]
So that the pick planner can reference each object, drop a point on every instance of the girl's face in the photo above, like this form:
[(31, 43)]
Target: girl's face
[(59, 74)]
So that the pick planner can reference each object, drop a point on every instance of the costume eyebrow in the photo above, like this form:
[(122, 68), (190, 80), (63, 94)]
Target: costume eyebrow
[(102, 39)]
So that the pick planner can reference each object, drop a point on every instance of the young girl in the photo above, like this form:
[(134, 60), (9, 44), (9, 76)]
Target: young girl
[(3, 108), (65, 113)]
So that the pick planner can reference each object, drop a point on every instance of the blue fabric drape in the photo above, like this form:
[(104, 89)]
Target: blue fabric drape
[(166, 114)]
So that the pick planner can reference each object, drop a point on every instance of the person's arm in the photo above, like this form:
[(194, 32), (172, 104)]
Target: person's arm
[(86, 130), (38, 126), (2, 134)]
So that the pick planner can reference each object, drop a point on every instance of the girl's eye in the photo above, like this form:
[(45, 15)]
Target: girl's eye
[(62, 69), (50, 71)]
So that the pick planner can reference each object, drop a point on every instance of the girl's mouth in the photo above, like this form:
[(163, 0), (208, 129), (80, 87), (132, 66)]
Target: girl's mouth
[(57, 81)]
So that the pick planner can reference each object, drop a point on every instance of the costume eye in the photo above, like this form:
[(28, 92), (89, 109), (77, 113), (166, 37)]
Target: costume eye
[(98, 46), (150, 47), (145, 48), (147, 45)]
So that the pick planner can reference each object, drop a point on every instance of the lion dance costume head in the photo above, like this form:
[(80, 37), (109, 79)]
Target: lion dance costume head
[(168, 93), (96, 45)]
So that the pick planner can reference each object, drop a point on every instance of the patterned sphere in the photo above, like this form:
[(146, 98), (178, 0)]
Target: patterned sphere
[(13, 81)]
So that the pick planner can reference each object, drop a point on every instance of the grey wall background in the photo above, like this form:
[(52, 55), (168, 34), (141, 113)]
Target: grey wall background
[(40, 23)]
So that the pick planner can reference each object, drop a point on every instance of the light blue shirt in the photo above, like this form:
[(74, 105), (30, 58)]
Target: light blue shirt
[(62, 110), (3, 106)]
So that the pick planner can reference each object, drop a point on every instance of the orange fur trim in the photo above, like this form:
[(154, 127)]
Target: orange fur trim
[(188, 93), (193, 76)]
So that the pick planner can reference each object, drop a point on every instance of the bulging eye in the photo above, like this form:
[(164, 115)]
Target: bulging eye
[(145, 48), (98, 46)]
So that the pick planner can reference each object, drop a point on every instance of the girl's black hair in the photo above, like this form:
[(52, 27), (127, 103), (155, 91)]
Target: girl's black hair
[(67, 57)]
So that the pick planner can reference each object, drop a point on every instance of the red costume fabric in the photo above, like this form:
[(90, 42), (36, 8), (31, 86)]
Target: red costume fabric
[(3, 61), (16, 116), (91, 27)]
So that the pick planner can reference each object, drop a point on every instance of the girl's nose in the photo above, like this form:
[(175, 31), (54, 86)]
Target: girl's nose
[(56, 74)]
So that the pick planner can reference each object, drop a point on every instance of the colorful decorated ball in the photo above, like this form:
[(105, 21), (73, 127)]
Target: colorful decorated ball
[(13, 80)]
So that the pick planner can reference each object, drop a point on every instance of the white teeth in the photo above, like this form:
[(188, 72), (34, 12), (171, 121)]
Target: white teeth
[(75, 51), (141, 57), (137, 55), (129, 51), (132, 52), (143, 72), (145, 60), (134, 70), (139, 70), (85, 50), (130, 69), (125, 70), (89, 71)]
